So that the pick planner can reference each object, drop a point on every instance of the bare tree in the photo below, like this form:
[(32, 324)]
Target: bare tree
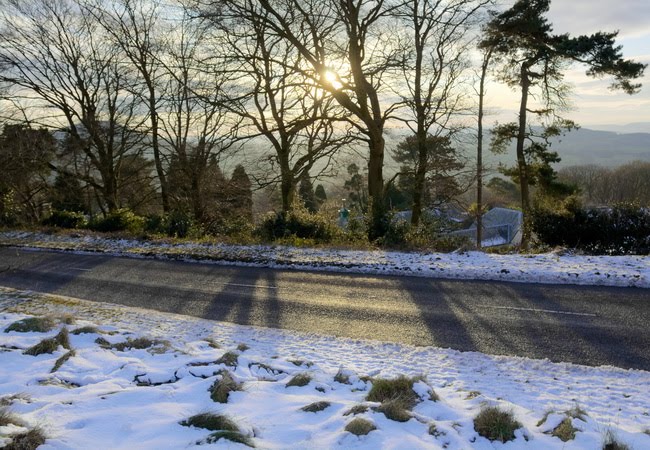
[(440, 41), (194, 124), (59, 62), (136, 27), (279, 103), (348, 49)]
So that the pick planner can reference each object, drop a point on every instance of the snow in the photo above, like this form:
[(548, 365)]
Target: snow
[(553, 268), (102, 398)]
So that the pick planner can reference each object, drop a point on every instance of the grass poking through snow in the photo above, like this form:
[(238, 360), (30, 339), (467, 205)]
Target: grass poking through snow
[(33, 325), (30, 440), (228, 359), (611, 442), (86, 330), (360, 427), (396, 396), (61, 361), (565, 430), (300, 380), (221, 389), (316, 407), (496, 425), (222, 427), (50, 345)]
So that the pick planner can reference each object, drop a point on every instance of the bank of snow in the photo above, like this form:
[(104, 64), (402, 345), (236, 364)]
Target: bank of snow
[(103, 398), (542, 268)]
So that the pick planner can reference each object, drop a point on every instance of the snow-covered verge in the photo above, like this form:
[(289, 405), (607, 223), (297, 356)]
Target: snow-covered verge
[(105, 396), (542, 268)]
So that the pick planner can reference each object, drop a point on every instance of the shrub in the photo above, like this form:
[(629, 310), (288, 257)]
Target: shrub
[(66, 219), (178, 224), (496, 425), (118, 220), (32, 324), (299, 223), (620, 230), (360, 427)]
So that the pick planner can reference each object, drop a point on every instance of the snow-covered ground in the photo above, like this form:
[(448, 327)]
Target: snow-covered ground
[(104, 398), (542, 268)]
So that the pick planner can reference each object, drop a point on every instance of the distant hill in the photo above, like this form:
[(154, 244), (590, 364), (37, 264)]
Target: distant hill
[(582, 146), (604, 148)]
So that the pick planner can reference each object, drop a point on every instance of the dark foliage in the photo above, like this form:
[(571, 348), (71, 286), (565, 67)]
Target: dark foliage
[(65, 219), (621, 230)]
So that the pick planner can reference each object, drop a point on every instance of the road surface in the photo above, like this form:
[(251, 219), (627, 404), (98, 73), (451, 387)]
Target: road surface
[(581, 324)]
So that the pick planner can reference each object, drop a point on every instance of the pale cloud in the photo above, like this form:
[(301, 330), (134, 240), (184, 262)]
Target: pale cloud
[(593, 102), (630, 17)]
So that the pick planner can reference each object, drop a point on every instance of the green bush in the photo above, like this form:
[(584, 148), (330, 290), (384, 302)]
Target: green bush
[(178, 224), (620, 230), (297, 223), (66, 219), (118, 220)]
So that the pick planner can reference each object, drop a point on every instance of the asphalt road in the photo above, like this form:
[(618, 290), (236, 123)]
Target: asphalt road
[(581, 324)]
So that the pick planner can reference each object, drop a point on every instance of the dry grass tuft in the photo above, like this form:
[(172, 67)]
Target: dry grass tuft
[(59, 362), (356, 409), (229, 359), (396, 409), (300, 380), (496, 425), (577, 413), (396, 396), (210, 421), (221, 389), (565, 430), (397, 388), (342, 377), (611, 442), (29, 440), (242, 347), (360, 427), (232, 436), (85, 330), (140, 343), (7, 418), (316, 407), (32, 325), (50, 345)]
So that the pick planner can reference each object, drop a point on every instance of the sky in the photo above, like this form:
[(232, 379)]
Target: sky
[(594, 105)]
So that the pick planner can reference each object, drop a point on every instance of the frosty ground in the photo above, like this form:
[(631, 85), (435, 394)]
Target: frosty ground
[(107, 393)]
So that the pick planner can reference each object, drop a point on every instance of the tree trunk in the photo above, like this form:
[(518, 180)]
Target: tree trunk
[(376, 185), (420, 178), (521, 158), (286, 182), (479, 152)]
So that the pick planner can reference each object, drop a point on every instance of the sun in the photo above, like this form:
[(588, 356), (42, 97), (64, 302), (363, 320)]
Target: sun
[(333, 79)]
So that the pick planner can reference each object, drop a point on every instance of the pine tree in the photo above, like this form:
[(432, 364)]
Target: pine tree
[(320, 194), (306, 193), (241, 193), (531, 56)]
